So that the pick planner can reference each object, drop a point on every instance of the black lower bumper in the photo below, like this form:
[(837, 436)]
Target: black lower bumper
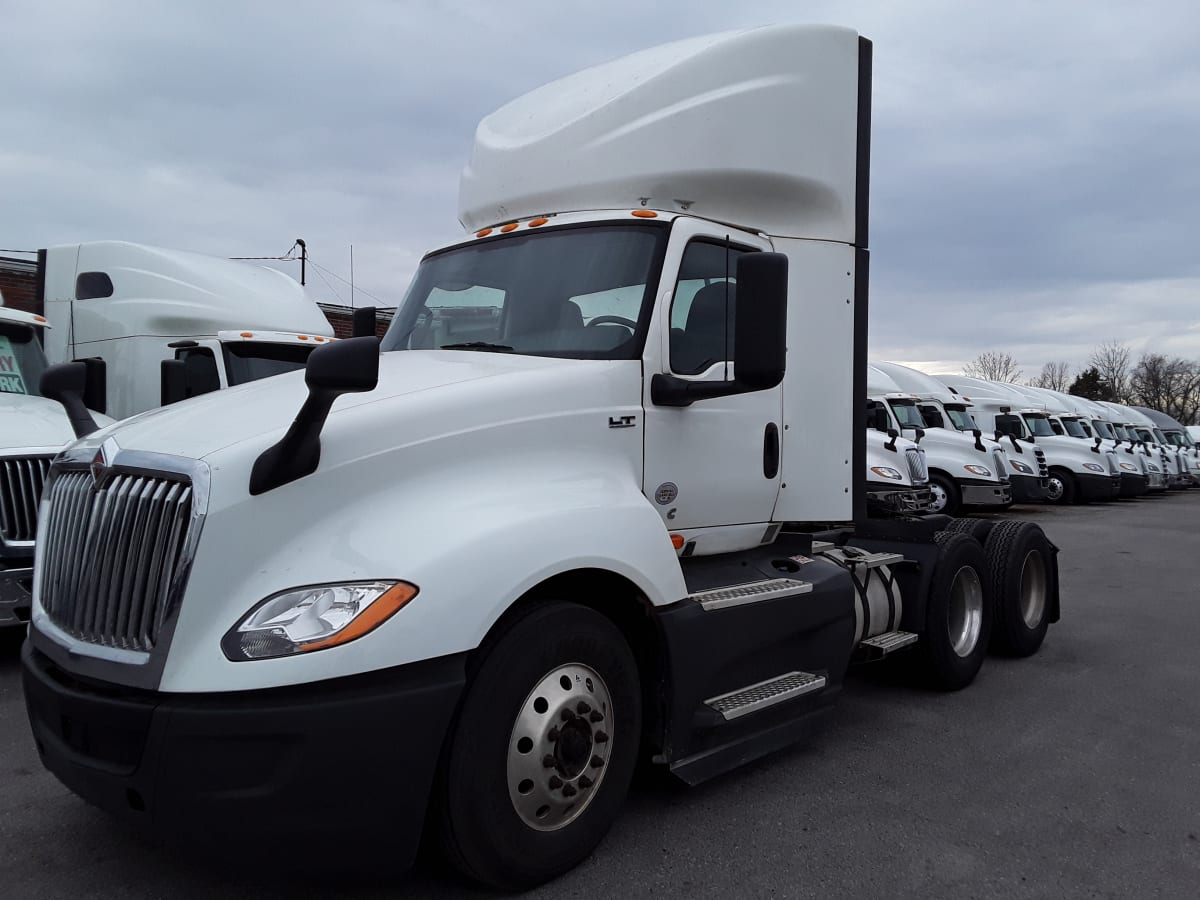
[(245, 773), (16, 591), (1098, 487), (1029, 488), (1133, 485)]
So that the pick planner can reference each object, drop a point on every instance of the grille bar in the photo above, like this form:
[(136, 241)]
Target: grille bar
[(1001, 464), (21, 481), (112, 555)]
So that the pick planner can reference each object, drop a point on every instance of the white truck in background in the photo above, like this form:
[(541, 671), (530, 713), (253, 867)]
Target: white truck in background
[(126, 308), (472, 580), (1077, 473), (1193, 432), (964, 471), (33, 429), (897, 474), (1170, 431), (1139, 431), (1178, 464)]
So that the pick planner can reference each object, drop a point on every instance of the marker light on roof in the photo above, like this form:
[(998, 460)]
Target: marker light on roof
[(505, 229), (645, 214), (483, 232), (540, 220)]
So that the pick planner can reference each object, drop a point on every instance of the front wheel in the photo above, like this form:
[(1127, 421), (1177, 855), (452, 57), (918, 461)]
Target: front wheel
[(1061, 487), (947, 498), (544, 748)]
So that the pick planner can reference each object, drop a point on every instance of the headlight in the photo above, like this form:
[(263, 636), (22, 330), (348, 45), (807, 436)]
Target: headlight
[(979, 470), (887, 472), (1021, 467), (1094, 467), (313, 618), (1129, 467), (1152, 467)]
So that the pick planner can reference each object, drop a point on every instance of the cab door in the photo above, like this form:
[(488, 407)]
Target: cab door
[(715, 463)]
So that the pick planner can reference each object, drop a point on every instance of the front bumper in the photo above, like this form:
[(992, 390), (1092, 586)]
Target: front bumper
[(1098, 487), (886, 500), (344, 761), (16, 591), (976, 492), (1133, 485), (1028, 488)]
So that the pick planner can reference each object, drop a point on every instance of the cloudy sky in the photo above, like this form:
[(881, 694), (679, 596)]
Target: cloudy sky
[(1036, 166)]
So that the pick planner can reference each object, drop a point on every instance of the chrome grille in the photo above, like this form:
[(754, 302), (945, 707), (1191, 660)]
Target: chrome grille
[(1043, 469), (1001, 464), (21, 481), (916, 465), (113, 555), (1113, 467)]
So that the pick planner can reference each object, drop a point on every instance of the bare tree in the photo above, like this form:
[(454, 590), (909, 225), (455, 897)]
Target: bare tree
[(995, 366), (1111, 360), (1056, 376), (1168, 384)]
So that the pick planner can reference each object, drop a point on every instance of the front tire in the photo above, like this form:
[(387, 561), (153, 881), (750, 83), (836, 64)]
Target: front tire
[(947, 498), (1061, 488), (958, 613), (543, 750)]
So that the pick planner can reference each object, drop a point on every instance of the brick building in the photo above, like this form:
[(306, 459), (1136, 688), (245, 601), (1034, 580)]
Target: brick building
[(18, 283)]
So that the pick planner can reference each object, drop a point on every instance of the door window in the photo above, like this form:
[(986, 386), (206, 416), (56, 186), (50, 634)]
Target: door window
[(702, 309)]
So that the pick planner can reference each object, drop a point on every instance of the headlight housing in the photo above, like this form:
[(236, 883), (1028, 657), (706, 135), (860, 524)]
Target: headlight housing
[(1129, 467), (304, 619), (982, 471), (1094, 467), (887, 472), (1152, 467), (1021, 467)]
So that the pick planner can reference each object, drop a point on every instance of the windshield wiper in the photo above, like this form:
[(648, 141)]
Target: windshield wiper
[(479, 345)]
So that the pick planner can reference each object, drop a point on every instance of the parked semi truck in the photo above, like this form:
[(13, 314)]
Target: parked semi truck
[(555, 527), (1178, 464), (128, 307), (1175, 435), (1137, 429), (33, 429), (1075, 473), (964, 471)]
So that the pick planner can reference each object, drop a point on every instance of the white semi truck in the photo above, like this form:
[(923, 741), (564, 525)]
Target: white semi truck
[(552, 529), (964, 471), (1175, 435), (33, 429), (1076, 473), (1178, 465), (127, 308), (1138, 430)]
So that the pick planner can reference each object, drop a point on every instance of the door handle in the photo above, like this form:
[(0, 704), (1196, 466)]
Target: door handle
[(771, 450)]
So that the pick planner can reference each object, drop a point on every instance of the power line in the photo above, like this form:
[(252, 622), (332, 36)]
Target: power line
[(344, 281), (328, 285)]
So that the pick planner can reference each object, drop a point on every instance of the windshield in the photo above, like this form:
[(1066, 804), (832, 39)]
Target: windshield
[(1039, 426), (21, 360), (932, 416), (582, 293), (907, 414), (1159, 436), (962, 419), (1142, 434), (1176, 439), (1074, 428), (251, 360), (1104, 430), (1121, 431)]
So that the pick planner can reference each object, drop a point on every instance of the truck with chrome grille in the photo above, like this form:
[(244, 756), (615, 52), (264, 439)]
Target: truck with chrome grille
[(33, 429), (601, 498)]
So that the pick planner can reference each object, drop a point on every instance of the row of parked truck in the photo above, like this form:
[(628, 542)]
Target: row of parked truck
[(619, 485)]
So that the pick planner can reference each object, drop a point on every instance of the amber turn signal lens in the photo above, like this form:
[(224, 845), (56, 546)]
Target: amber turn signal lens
[(645, 214), (677, 541), (483, 232), (388, 604), (509, 227)]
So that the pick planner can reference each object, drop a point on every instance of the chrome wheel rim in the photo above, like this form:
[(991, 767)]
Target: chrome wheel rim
[(559, 747), (965, 620), (939, 497), (1054, 488), (1033, 588)]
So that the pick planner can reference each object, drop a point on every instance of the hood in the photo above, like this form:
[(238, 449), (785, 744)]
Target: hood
[(421, 393), (27, 421)]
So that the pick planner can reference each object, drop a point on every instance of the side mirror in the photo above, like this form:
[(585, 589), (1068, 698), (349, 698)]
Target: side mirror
[(66, 383), (759, 339), (893, 434), (343, 367), (95, 390), (363, 322), (920, 433)]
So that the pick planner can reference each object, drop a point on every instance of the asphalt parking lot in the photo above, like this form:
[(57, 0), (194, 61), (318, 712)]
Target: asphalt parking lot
[(1072, 774)]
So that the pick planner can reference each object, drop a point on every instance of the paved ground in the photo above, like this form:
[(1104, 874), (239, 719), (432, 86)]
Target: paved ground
[(1072, 774)]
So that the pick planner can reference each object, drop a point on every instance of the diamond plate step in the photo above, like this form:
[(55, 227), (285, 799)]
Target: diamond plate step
[(751, 592), (882, 644), (765, 694)]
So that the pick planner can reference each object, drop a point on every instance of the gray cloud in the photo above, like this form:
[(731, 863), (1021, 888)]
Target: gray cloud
[(1034, 177)]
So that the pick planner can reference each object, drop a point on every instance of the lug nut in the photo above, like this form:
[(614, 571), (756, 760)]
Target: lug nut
[(585, 782), (601, 737), (555, 782), (552, 734), (548, 761), (582, 708), (569, 790), (596, 716), (597, 762), (567, 715)]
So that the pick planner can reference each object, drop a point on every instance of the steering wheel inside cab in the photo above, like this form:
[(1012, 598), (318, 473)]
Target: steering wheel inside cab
[(613, 320)]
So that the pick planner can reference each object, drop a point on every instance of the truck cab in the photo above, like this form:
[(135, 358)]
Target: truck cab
[(600, 499), (1132, 427), (33, 429), (1174, 434), (964, 472), (128, 307)]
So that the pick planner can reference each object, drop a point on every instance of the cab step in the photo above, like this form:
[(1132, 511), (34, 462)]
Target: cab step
[(882, 644), (765, 694), (750, 592)]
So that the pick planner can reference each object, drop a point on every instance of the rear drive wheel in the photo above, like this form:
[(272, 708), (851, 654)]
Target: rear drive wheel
[(544, 748), (958, 614), (976, 528), (1061, 487), (1019, 574), (947, 498)]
